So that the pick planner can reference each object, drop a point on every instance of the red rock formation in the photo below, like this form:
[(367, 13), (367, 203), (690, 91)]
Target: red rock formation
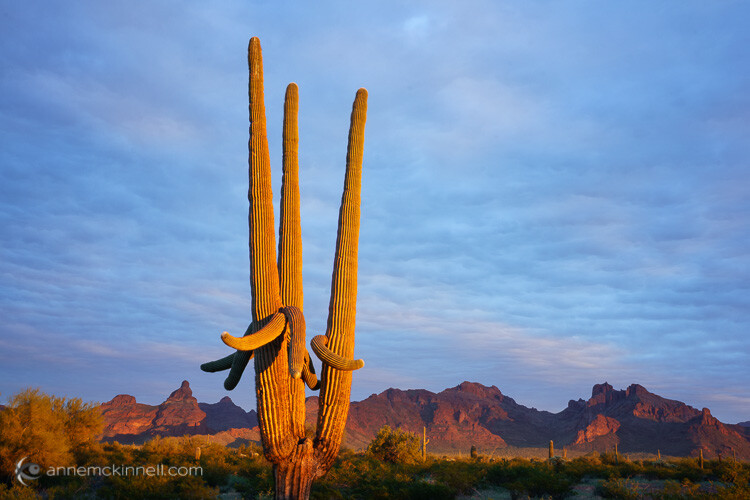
[(600, 426), (459, 417), (125, 419)]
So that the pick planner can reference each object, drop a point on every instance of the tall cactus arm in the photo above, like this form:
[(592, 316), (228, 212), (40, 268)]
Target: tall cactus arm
[(336, 384), (279, 430), (260, 338), (319, 347), (264, 278), (290, 229)]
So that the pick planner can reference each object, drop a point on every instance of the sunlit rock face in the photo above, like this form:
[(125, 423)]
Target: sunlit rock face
[(457, 418)]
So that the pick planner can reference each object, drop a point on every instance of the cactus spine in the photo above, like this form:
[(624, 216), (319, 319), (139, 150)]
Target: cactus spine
[(276, 335)]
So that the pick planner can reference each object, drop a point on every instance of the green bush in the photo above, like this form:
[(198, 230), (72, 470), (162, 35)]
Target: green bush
[(535, 479), (395, 446), (618, 488)]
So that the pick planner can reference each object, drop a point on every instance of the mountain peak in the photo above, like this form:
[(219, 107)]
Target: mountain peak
[(636, 390), (122, 400), (183, 393), (604, 388), (479, 390)]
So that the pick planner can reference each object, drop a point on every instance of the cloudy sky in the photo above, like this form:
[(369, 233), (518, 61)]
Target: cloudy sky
[(555, 194)]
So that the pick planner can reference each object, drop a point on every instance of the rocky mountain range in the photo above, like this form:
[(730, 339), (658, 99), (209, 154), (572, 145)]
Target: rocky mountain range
[(459, 417)]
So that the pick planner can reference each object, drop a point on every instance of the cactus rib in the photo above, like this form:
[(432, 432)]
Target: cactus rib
[(258, 339), (319, 345)]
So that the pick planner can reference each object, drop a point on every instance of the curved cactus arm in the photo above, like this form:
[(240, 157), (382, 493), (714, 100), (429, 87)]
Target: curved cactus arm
[(319, 347), (308, 374), (224, 363), (258, 339), (296, 323), (335, 391), (239, 363)]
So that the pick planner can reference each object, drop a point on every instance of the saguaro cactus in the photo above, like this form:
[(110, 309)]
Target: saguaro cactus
[(276, 335)]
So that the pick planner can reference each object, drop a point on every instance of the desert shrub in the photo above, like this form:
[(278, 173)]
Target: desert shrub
[(535, 479), (256, 475), (459, 477), (588, 466), (46, 429), (618, 488), (18, 492), (161, 487), (395, 445)]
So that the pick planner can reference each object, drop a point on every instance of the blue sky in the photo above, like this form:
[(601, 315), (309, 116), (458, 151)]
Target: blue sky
[(555, 194)]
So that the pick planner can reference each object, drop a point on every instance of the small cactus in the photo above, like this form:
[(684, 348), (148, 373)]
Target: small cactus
[(700, 458), (551, 449), (424, 443), (473, 452)]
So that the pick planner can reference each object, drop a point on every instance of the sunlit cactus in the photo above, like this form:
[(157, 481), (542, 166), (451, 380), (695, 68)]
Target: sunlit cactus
[(276, 335)]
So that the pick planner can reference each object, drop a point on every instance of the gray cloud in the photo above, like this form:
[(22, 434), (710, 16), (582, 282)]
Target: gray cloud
[(553, 195)]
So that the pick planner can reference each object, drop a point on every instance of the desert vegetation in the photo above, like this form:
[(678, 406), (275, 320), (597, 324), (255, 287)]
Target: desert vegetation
[(391, 467)]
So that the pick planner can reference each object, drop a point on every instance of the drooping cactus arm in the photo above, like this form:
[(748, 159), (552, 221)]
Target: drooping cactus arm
[(241, 359), (336, 384), (252, 341), (235, 363), (296, 324), (308, 374), (224, 363), (319, 347)]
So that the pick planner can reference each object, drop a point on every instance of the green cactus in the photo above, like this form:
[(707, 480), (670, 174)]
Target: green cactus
[(425, 441), (276, 335)]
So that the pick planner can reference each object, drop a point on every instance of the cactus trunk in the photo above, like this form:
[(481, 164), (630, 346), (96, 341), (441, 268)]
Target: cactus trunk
[(276, 335)]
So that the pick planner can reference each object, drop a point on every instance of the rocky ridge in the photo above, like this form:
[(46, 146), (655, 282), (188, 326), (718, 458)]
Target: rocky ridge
[(457, 418)]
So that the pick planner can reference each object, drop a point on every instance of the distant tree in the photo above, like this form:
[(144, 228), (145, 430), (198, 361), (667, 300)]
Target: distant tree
[(49, 430), (395, 445)]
